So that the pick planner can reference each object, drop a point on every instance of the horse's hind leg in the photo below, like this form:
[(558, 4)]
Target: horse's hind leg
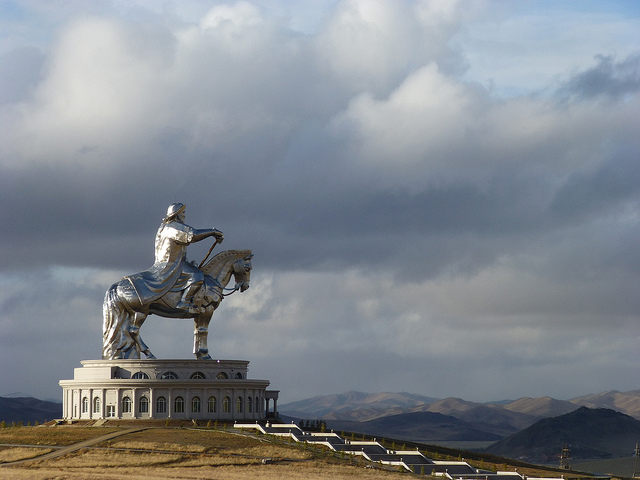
[(135, 334), (200, 348)]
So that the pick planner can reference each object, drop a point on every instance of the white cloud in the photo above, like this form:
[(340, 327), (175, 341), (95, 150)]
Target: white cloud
[(434, 129), (104, 81), (411, 130), (237, 17)]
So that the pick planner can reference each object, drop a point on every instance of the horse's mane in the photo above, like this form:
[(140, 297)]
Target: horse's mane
[(214, 266)]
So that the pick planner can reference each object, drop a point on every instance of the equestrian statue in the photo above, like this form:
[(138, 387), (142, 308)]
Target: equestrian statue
[(173, 287)]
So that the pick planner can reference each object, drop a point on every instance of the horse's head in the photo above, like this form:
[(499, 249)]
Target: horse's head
[(227, 264), (242, 272)]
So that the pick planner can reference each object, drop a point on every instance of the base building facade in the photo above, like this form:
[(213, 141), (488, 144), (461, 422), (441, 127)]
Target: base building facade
[(167, 389)]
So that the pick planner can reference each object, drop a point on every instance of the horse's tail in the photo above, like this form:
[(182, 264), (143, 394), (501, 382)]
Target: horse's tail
[(116, 320)]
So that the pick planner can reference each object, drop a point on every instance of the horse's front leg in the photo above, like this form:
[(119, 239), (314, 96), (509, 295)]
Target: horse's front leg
[(135, 334), (200, 348)]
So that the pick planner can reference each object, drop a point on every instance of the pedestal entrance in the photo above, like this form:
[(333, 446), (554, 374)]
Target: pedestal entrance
[(159, 389)]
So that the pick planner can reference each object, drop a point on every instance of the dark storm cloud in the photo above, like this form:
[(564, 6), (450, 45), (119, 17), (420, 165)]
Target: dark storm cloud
[(608, 78), (613, 184)]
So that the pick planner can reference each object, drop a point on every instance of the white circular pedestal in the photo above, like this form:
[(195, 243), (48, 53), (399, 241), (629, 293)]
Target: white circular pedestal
[(161, 389)]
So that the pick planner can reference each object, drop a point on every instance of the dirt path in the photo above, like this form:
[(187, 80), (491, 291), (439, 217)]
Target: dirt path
[(76, 446)]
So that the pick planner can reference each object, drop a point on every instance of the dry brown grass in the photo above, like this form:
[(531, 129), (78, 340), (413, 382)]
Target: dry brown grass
[(317, 470), (165, 453), (159, 446), (55, 436), (179, 453), (87, 458), (206, 441), (13, 454)]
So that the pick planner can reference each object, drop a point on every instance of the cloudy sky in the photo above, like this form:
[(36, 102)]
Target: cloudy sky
[(442, 197)]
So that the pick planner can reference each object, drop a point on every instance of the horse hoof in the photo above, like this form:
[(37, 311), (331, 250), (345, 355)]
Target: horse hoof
[(203, 354)]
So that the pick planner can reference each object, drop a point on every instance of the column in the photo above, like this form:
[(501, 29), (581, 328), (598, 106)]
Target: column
[(134, 407), (119, 403)]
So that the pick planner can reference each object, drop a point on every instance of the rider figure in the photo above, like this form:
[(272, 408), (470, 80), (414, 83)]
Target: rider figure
[(171, 243)]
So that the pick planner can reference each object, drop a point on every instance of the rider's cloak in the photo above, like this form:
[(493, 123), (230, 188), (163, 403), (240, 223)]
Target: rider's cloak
[(171, 270)]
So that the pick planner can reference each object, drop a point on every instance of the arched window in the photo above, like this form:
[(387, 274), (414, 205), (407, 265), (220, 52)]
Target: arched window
[(96, 404), (143, 405), (239, 375), (226, 405), (178, 405), (140, 376), (85, 404), (126, 405), (249, 405), (169, 376), (222, 376), (197, 376), (195, 405), (161, 405), (212, 405), (239, 405)]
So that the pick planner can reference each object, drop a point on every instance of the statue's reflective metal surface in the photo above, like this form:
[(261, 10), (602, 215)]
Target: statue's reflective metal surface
[(172, 287)]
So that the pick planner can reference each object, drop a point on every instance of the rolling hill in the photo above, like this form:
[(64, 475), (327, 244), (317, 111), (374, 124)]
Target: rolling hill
[(355, 406), (489, 418), (541, 407), (417, 427), (28, 409), (625, 402), (590, 433)]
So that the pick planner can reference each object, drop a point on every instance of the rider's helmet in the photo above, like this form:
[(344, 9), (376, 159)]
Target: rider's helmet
[(174, 209)]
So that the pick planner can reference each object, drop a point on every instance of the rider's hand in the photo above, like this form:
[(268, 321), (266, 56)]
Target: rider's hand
[(218, 234)]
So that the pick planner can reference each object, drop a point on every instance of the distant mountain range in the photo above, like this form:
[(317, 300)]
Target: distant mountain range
[(395, 414), (355, 406), (28, 409), (418, 427)]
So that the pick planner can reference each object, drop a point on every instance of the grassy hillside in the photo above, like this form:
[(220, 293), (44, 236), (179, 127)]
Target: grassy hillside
[(170, 453), (193, 453)]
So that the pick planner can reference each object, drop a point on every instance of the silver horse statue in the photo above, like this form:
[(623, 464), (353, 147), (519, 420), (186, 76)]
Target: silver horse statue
[(123, 317), (173, 287)]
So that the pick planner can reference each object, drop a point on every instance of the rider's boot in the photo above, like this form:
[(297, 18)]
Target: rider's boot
[(187, 299)]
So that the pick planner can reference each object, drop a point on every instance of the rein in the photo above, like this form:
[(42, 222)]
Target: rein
[(236, 288)]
